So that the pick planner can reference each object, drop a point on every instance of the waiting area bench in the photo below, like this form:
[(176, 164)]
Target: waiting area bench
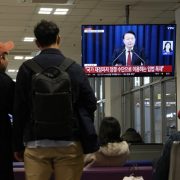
[(138, 168), (140, 163)]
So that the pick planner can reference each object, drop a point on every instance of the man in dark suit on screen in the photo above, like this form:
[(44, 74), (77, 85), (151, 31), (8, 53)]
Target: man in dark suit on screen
[(128, 55)]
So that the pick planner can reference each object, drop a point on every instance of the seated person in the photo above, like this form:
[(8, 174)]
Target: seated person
[(113, 151), (162, 166), (132, 136)]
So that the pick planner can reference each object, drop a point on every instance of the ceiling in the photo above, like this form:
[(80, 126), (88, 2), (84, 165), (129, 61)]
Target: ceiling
[(18, 18)]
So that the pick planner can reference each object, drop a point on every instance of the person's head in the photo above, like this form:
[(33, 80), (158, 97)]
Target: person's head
[(132, 136), (47, 34), (110, 131), (4, 50), (129, 39), (131, 130), (167, 46)]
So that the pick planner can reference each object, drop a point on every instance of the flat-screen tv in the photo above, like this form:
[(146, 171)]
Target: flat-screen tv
[(129, 50)]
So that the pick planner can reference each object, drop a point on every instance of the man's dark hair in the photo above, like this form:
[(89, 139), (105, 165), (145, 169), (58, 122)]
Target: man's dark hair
[(129, 32), (110, 131), (46, 32)]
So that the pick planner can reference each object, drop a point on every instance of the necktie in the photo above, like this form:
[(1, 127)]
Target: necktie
[(129, 58)]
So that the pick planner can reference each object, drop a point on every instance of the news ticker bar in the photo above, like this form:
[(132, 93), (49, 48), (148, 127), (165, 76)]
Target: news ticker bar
[(127, 69)]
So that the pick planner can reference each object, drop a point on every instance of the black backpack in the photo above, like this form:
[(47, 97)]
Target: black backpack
[(52, 107)]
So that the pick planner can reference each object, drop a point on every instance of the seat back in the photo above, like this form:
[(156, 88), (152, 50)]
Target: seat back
[(149, 151), (174, 171), (116, 173)]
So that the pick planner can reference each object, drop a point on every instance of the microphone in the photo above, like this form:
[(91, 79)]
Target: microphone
[(114, 61), (143, 61)]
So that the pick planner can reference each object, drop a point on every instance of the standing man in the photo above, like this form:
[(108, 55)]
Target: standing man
[(44, 155), (6, 104), (128, 54)]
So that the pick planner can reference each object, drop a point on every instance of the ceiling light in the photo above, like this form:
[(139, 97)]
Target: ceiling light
[(11, 70), (28, 57), (63, 2), (45, 10), (28, 39), (60, 11), (18, 57)]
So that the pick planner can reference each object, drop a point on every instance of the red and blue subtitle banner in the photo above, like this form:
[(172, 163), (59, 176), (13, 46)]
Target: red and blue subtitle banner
[(127, 69)]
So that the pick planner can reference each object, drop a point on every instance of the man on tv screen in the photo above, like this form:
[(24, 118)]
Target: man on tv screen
[(129, 54)]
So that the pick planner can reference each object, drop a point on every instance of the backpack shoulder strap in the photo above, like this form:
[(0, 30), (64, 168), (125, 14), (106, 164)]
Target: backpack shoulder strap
[(34, 66), (66, 63)]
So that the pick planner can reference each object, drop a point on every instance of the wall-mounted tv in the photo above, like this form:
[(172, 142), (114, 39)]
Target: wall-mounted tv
[(129, 50)]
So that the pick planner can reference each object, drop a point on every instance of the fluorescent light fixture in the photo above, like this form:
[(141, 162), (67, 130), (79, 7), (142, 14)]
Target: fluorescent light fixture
[(60, 11), (169, 115), (28, 39), (168, 94), (28, 57), (18, 57), (158, 96), (11, 70), (45, 10)]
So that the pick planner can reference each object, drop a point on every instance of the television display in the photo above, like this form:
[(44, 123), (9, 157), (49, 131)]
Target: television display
[(129, 50)]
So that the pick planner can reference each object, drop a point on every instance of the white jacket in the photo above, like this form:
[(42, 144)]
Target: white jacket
[(112, 154)]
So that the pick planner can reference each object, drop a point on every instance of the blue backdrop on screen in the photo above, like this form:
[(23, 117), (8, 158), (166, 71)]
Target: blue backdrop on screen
[(99, 42)]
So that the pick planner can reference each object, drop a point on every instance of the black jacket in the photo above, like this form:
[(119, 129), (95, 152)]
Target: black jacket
[(83, 94), (6, 95), (6, 104), (162, 166)]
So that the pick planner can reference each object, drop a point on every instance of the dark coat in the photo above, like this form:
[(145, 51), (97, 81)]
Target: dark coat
[(138, 57), (162, 165), (6, 104), (82, 93)]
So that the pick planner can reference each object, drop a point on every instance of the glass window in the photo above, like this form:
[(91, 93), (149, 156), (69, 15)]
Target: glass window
[(157, 113), (156, 78), (128, 117), (137, 81), (127, 83), (151, 108), (147, 117), (97, 85), (170, 108), (146, 80), (137, 108)]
